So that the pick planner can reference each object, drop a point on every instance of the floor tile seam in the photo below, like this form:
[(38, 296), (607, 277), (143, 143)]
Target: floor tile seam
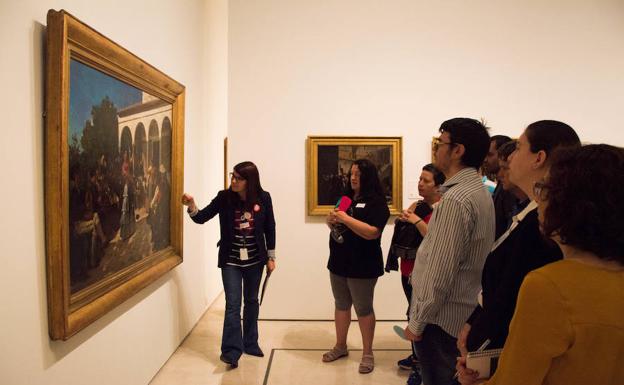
[(273, 350)]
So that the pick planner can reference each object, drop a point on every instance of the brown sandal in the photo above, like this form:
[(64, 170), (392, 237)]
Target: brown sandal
[(367, 364), (335, 354)]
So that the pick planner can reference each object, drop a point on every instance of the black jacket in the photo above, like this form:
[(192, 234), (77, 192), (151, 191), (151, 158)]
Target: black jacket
[(264, 223), (525, 250), (406, 235)]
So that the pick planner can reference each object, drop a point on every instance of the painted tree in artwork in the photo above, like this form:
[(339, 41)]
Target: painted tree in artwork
[(100, 135)]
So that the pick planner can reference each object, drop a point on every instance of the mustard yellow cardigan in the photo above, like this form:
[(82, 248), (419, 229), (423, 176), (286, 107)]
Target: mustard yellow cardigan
[(568, 328)]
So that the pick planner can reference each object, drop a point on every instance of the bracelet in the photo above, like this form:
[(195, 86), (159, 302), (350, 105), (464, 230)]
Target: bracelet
[(418, 221)]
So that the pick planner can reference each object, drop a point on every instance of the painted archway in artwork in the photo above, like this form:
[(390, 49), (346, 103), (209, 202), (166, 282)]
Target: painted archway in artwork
[(154, 145), (140, 150), (125, 146), (165, 144)]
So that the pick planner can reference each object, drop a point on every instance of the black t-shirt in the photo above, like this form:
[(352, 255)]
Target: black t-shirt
[(357, 257)]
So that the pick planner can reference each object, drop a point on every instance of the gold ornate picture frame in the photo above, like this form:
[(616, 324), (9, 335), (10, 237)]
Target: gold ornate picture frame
[(113, 174), (328, 162)]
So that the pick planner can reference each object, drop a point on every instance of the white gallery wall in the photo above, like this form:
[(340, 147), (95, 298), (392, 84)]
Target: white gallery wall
[(188, 41), (399, 68)]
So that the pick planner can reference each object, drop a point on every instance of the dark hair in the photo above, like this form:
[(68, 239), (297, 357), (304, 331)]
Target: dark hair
[(507, 149), (438, 176), (500, 140), (370, 186), (473, 135), (546, 135), (585, 195), (248, 171)]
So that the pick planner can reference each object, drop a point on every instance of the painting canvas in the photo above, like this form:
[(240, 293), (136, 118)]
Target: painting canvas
[(114, 167), (120, 175), (329, 162)]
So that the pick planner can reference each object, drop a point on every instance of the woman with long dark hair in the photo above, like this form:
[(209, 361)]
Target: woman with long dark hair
[(247, 244), (357, 262)]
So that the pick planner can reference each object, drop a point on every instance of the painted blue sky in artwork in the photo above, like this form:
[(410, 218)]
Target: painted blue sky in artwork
[(87, 87)]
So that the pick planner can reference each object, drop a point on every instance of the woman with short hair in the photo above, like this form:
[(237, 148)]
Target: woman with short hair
[(409, 230)]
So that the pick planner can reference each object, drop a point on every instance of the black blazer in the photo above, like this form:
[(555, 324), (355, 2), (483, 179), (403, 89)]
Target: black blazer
[(524, 250), (264, 223)]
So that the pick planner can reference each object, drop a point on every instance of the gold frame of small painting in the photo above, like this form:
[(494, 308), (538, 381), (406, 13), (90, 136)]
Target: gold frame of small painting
[(328, 160)]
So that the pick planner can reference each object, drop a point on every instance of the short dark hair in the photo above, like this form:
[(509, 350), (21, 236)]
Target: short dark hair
[(546, 135), (585, 195), (370, 186), (500, 140), (473, 135), (506, 149), (438, 176), (249, 172)]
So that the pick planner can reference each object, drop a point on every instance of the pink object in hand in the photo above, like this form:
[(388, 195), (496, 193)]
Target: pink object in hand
[(343, 203)]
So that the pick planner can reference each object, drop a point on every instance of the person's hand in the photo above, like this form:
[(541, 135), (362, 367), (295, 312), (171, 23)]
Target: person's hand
[(340, 216), (270, 265), (466, 376), (331, 219), (411, 336), (409, 216), (462, 338), (187, 200)]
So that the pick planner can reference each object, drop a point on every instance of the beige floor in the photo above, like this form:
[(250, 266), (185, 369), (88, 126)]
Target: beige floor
[(292, 356)]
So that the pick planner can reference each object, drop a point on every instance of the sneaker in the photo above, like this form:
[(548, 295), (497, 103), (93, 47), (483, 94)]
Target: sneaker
[(406, 363), (414, 378)]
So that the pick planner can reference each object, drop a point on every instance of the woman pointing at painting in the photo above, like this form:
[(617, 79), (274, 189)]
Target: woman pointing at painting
[(247, 244)]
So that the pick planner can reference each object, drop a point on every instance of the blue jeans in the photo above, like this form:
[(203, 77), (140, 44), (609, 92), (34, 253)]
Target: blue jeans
[(437, 352), (238, 283)]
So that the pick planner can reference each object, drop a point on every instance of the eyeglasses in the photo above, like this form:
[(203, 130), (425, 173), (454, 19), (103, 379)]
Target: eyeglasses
[(540, 190), (235, 177), (437, 142)]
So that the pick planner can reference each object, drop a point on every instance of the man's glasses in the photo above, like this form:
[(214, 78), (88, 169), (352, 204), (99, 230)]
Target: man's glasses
[(235, 177), (437, 142)]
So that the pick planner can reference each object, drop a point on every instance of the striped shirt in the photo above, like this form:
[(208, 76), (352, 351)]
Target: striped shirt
[(243, 238), (447, 273)]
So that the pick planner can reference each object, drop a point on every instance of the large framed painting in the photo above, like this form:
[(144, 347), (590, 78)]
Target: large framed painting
[(114, 169), (329, 160)]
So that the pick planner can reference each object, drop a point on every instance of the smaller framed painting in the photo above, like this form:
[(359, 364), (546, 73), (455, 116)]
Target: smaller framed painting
[(329, 159)]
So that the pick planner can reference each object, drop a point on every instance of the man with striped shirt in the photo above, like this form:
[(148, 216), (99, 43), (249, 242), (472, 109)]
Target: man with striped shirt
[(447, 274)]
